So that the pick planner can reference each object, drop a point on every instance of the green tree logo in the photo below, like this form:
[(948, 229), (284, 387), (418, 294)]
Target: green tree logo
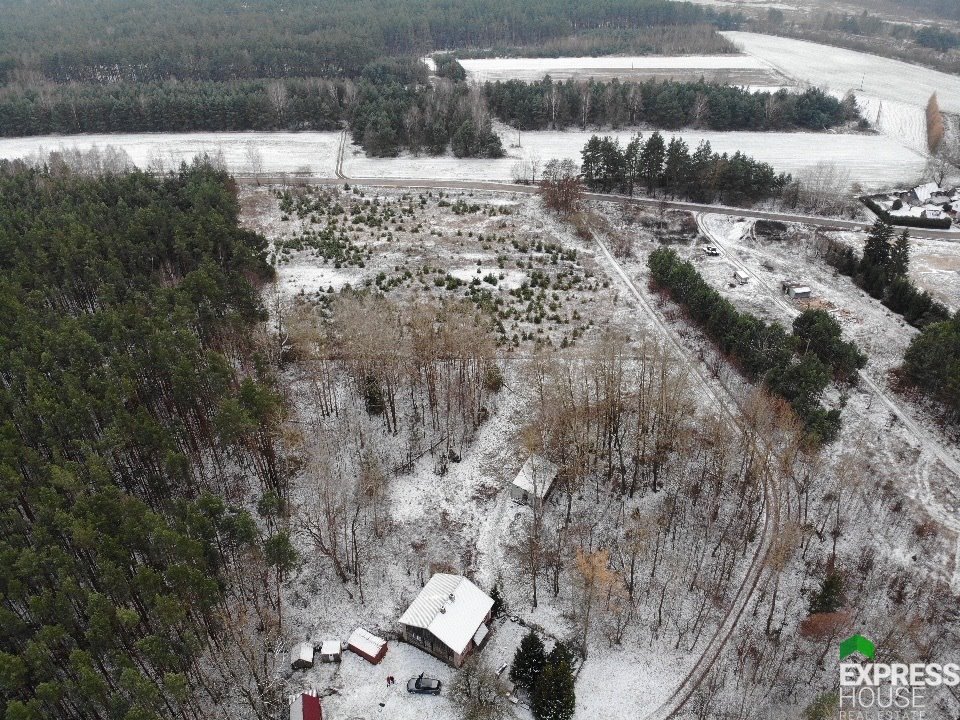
[(857, 644)]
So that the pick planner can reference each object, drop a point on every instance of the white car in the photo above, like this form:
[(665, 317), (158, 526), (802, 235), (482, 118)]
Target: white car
[(712, 250)]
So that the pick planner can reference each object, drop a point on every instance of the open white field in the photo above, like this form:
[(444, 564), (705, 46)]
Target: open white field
[(872, 160), (279, 151), (876, 161), (735, 69), (841, 70), (899, 120)]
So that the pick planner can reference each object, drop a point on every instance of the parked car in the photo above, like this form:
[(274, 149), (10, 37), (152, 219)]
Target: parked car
[(711, 250), (424, 685)]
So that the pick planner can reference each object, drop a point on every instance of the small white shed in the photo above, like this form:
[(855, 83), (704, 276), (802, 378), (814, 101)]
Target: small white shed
[(331, 651), (800, 292), (740, 277), (535, 480), (301, 657)]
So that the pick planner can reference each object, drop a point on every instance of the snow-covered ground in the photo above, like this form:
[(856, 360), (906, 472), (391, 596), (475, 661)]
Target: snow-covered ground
[(898, 120), (736, 68), (875, 161), (290, 152), (842, 70), (883, 335)]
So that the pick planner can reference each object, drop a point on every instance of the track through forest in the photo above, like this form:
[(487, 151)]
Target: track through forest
[(728, 405)]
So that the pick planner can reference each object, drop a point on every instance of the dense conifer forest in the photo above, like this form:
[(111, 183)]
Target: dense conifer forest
[(131, 395), (312, 66), (223, 40)]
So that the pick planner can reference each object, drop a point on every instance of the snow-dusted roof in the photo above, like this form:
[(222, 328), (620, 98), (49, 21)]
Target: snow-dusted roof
[(536, 471), (452, 621), (330, 647), (305, 706), (366, 641), (799, 289), (480, 634), (923, 192), (302, 651)]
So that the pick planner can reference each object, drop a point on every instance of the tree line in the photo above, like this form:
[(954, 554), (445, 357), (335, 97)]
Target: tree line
[(658, 166), (129, 400), (225, 40), (686, 39), (414, 114), (557, 105), (882, 270), (797, 367)]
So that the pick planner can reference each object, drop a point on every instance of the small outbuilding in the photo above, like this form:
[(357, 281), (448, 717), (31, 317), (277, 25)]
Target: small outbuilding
[(306, 706), (367, 645), (535, 480), (301, 657), (740, 277), (331, 651), (795, 290)]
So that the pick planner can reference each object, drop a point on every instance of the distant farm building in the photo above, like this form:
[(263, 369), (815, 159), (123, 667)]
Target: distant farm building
[(924, 192), (367, 645), (535, 480), (449, 618), (740, 277), (306, 706), (330, 651), (301, 657), (927, 205)]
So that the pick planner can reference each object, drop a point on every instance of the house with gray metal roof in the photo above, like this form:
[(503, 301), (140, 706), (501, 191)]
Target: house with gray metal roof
[(449, 619)]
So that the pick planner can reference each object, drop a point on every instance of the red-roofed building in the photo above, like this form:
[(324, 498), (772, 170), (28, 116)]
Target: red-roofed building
[(306, 706)]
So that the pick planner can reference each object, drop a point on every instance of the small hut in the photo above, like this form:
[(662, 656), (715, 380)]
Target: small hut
[(331, 651), (535, 480), (367, 645), (301, 657)]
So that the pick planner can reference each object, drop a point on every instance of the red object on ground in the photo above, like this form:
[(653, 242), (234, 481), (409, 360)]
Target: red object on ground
[(306, 707)]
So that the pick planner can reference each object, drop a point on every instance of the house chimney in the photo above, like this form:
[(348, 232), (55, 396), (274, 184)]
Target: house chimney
[(442, 609), (451, 597)]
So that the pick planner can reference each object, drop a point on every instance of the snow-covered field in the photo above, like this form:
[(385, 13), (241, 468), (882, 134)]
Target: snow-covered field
[(875, 161), (892, 98), (315, 152), (898, 120), (842, 70), (738, 69)]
